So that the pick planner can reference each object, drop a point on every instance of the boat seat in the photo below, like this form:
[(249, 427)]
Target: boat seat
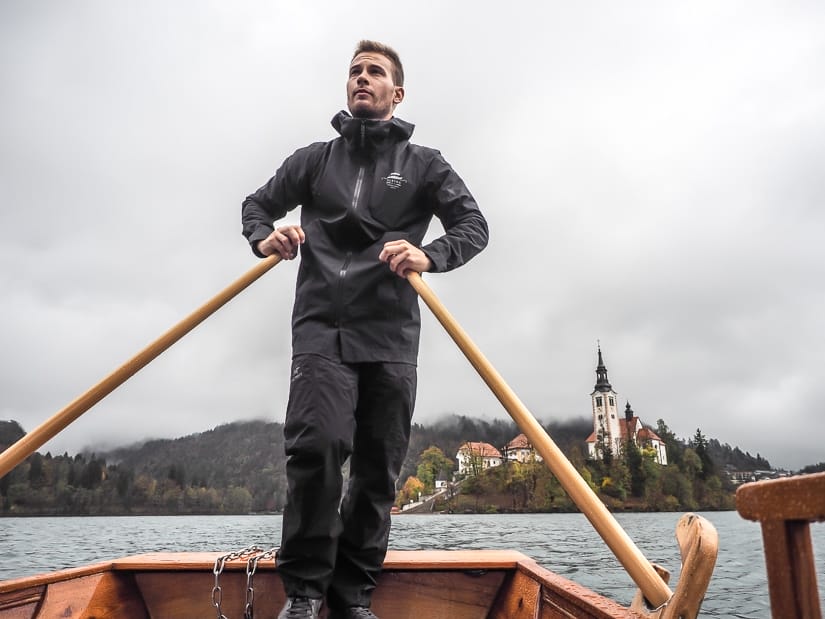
[(785, 508)]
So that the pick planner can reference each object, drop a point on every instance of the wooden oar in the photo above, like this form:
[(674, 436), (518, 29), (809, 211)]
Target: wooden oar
[(641, 571), (27, 445)]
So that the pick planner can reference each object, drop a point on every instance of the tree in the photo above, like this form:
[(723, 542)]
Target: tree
[(143, 490), (410, 492), (700, 446), (177, 473), (432, 464), (548, 494), (521, 482), (616, 480), (37, 473), (679, 485), (691, 464), (236, 500), (635, 468), (123, 483), (91, 474), (674, 446)]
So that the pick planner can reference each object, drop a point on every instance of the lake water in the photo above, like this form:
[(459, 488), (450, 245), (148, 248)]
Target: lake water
[(563, 543)]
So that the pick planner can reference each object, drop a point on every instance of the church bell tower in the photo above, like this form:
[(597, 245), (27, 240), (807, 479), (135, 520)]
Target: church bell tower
[(605, 414)]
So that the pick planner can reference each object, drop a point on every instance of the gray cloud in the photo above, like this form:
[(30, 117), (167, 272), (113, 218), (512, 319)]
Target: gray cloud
[(651, 174)]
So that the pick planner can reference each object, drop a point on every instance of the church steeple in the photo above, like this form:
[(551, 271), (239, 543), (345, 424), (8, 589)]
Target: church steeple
[(606, 426), (602, 384)]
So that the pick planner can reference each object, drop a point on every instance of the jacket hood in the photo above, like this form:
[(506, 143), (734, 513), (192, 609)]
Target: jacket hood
[(368, 134)]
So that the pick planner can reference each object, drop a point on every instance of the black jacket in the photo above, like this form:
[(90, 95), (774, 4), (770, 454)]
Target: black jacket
[(356, 192)]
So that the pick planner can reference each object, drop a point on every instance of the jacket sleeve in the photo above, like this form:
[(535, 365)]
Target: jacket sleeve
[(465, 229), (283, 192)]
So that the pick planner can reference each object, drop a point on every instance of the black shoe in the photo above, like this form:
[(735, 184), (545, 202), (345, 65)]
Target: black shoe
[(353, 612), (301, 608)]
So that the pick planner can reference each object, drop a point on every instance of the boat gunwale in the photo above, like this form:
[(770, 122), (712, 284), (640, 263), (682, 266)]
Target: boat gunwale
[(395, 560), (421, 560), (49, 578)]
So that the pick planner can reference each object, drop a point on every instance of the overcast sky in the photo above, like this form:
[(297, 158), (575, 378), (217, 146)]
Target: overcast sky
[(652, 174)]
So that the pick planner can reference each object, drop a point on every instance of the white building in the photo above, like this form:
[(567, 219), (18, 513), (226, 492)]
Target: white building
[(520, 450), (473, 457), (611, 430)]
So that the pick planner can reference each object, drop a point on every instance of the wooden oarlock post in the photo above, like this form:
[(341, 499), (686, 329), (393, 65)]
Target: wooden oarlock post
[(637, 566), (27, 445)]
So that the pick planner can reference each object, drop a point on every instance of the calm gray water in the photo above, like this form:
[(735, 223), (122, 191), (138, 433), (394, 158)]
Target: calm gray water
[(564, 543)]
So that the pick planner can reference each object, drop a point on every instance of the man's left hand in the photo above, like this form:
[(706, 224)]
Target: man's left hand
[(403, 257)]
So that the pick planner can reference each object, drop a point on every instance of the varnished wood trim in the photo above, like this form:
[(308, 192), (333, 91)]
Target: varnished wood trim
[(395, 560), (52, 577), (801, 497)]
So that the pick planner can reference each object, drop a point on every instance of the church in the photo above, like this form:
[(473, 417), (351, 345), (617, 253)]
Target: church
[(613, 430)]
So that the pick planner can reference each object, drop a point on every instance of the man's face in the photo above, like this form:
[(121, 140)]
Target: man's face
[(371, 92)]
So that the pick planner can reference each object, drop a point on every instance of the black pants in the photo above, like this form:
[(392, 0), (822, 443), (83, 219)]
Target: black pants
[(338, 410)]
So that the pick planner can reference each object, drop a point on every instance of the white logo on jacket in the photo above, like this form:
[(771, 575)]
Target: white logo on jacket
[(394, 180)]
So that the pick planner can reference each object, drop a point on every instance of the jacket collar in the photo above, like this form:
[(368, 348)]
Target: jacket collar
[(371, 135)]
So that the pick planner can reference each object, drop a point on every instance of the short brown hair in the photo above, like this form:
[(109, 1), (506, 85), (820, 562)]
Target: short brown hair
[(385, 50)]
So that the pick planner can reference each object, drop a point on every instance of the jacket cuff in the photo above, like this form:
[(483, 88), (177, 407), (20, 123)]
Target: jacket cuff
[(439, 261), (261, 232)]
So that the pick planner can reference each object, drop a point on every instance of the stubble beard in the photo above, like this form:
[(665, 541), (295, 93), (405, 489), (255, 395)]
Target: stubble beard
[(366, 111)]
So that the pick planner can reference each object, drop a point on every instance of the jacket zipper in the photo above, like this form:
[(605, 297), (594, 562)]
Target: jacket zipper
[(357, 193), (358, 182), (342, 272)]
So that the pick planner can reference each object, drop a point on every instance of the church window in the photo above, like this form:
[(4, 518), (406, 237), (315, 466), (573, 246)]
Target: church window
[(599, 401), (610, 400)]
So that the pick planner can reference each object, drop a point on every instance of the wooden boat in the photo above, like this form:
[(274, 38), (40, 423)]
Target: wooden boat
[(414, 584)]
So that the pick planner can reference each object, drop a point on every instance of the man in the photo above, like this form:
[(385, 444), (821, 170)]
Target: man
[(367, 198)]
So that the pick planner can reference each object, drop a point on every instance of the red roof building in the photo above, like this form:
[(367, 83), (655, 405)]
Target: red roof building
[(474, 457), (520, 450)]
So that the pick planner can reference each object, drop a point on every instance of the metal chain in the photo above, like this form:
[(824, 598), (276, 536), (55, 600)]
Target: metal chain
[(217, 570), (251, 567)]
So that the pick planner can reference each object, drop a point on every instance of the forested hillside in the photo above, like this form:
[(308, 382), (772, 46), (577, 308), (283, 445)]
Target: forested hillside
[(239, 468)]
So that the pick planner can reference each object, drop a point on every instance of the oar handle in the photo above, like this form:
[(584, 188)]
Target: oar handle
[(27, 445), (638, 567)]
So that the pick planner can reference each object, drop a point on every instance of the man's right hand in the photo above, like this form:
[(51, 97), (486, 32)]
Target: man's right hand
[(283, 241)]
